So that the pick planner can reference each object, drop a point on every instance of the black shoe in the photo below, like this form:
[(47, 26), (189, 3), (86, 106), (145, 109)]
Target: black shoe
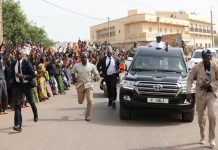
[(109, 103), (17, 128), (35, 117), (114, 105), (87, 119)]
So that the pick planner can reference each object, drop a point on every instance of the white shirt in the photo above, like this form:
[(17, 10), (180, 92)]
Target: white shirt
[(16, 71), (112, 68), (157, 45)]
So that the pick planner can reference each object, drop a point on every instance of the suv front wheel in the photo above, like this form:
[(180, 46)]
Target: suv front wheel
[(188, 116), (125, 113)]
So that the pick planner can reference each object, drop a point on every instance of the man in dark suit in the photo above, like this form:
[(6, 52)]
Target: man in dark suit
[(22, 78), (3, 85), (109, 67)]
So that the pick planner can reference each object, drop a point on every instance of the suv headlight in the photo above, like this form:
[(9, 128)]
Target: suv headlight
[(127, 84), (183, 84), (182, 87)]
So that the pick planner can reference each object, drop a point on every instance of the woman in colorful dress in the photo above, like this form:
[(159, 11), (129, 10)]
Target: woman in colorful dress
[(41, 80)]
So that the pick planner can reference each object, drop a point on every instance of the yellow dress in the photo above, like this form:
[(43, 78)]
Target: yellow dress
[(41, 82)]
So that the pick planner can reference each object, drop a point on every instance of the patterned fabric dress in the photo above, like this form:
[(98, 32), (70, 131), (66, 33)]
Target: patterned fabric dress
[(41, 82)]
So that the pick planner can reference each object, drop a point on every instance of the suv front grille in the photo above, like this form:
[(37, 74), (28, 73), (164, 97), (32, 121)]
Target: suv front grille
[(158, 88)]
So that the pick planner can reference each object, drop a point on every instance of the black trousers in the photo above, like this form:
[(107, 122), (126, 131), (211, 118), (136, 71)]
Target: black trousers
[(20, 90), (3, 95), (111, 83)]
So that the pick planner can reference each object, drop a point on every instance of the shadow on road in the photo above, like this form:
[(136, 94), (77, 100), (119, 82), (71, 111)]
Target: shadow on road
[(99, 95), (10, 130), (189, 146), (104, 115), (63, 109)]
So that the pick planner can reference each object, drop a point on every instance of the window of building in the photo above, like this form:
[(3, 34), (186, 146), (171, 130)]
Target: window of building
[(205, 45), (165, 30), (200, 44), (200, 28), (209, 45), (191, 29), (112, 33), (196, 44), (98, 36), (177, 30), (150, 29), (171, 31), (161, 30)]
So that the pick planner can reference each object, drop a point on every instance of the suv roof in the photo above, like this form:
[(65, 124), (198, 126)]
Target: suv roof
[(200, 50), (144, 50)]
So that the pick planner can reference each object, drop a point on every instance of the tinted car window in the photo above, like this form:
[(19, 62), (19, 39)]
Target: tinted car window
[(198, 55), (159, 63)]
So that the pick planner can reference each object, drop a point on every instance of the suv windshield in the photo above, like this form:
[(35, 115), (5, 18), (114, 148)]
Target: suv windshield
[(159, 63), (198, 55)]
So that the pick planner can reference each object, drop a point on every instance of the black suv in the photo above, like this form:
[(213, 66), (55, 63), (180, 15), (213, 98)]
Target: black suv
[(156, 79)]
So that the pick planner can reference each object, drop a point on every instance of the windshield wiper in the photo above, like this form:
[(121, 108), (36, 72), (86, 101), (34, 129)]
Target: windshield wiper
[(141, 69), (176, 71)]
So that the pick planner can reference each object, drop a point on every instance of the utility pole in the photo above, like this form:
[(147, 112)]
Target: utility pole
[(194, 42), (108, 29), (211, 15), (158, 24)]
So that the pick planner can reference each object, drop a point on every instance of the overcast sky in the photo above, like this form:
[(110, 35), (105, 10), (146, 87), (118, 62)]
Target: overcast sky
[(72, 19)]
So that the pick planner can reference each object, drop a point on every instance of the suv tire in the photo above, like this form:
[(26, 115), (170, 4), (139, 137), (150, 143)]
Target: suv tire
[(188, 116), (125, 113)]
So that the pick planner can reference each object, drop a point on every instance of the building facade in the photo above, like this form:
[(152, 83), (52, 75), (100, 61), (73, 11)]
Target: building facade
[(142, 28)]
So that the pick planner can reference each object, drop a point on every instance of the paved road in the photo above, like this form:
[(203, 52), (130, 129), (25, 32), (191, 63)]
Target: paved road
[(61, 126)]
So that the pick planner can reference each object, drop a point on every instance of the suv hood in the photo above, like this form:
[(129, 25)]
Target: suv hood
[(155, 76)]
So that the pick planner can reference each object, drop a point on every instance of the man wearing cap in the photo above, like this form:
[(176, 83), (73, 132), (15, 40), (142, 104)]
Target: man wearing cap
[(158, 44), (206, 74)]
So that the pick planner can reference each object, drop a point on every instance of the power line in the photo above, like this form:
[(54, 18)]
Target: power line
[(73, 12)]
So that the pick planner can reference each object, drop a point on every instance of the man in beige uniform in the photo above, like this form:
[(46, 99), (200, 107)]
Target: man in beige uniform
[(206, 73), (83, 75)]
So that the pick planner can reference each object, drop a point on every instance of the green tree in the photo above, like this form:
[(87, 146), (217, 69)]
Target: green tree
[(17, 29)]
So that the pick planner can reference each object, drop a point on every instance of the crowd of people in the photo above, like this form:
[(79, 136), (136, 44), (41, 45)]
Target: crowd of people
[(53, 69), (33, 74)]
